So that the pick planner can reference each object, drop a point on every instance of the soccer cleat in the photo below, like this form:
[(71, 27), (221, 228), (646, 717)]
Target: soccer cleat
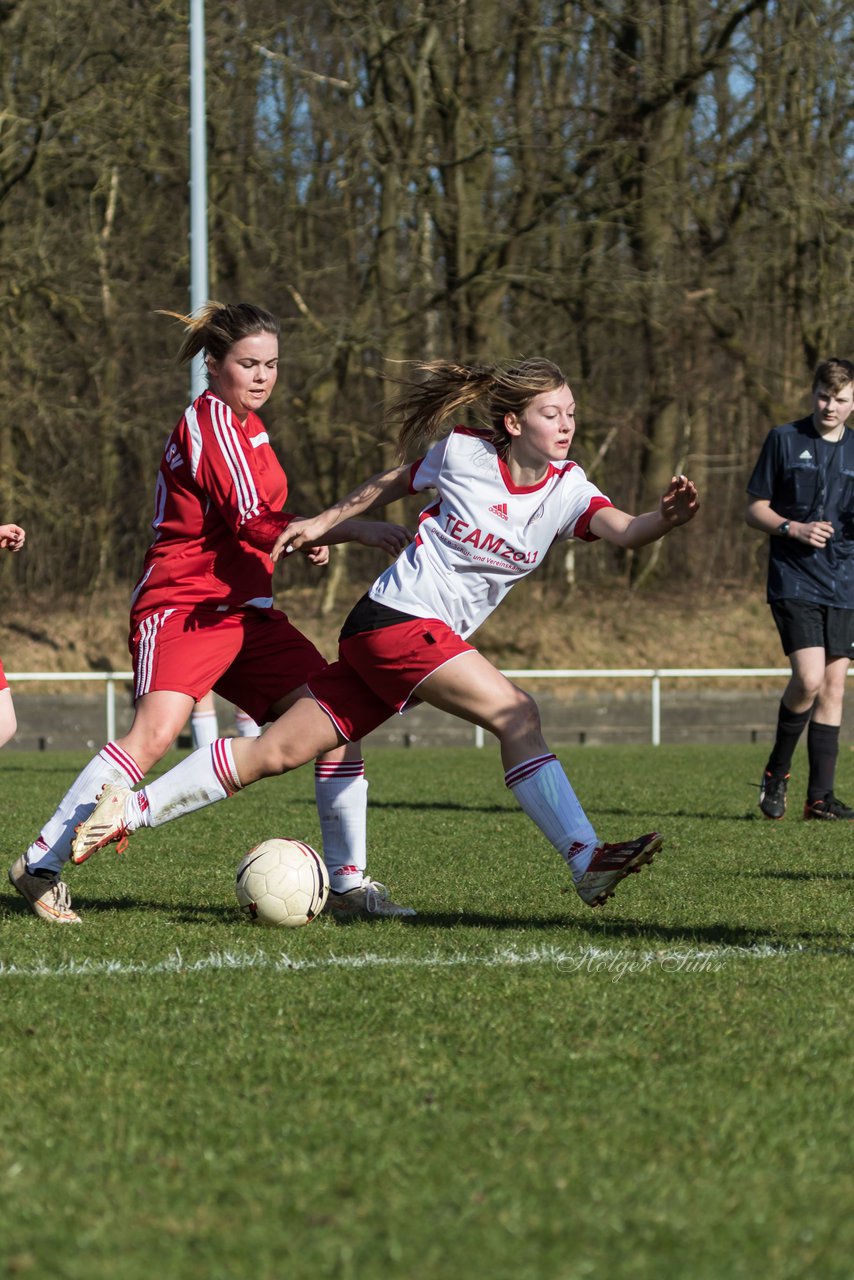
[(772, 794), (828, 809), (611, 863), (369, 901), (105, 825), (46, 895)]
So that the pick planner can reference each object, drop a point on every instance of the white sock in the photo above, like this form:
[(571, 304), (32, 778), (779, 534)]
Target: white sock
[(544, 792), (52, 849), (201, 779), (245, 725), (341, 791), (204, 729)]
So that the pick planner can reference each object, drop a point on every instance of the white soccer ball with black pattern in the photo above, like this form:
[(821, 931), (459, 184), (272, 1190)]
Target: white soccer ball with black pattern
[(282, 882)]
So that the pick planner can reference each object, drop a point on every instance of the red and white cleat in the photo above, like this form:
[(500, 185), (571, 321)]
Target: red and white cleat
[(105, 825), (611, 863)]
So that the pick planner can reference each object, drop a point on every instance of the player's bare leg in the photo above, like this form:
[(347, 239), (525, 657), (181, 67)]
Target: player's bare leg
[(470, 687), (8, 721), (302, 734), (206, 776), (158, 718)]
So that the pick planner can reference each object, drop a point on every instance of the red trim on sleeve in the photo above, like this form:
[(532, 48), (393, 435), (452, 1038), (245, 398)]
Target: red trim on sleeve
[(263, 530), (582, 524)]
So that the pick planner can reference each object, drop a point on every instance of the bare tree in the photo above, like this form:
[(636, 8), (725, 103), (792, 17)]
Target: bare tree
[(656, 195)]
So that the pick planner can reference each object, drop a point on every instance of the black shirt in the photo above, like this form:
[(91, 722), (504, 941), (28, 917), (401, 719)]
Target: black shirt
[(805, 478)]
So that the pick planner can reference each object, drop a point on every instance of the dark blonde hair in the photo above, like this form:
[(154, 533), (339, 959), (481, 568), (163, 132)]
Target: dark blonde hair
[(833, 373), (215, 327), (490, 390)]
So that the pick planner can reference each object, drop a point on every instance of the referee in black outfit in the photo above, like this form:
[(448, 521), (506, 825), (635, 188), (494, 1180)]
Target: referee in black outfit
[(801, 494)]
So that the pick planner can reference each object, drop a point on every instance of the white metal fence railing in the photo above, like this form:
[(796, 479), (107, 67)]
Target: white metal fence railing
[(654, 675), (109, 678)]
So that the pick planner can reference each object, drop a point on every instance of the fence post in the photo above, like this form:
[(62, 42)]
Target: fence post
[(656, 710), (111, 708)]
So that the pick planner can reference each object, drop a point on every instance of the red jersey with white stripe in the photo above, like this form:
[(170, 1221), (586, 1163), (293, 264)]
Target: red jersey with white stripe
[(217, 514), (483, 533)]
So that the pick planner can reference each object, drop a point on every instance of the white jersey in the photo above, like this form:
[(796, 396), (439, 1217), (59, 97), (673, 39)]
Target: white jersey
[(484, 533)]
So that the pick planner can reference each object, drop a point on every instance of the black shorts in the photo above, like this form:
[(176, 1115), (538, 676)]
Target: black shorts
[(814, 626)]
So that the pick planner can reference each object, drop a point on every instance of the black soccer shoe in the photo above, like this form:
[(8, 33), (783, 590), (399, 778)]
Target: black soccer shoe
[(828, 809), (772, 794)]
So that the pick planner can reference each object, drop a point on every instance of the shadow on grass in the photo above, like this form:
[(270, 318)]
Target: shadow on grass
[(40, 769), (797, 875), (658, 814), (180, 912), (439, 806), (647, 815), (183, 912), (602, 930), (598, 931)]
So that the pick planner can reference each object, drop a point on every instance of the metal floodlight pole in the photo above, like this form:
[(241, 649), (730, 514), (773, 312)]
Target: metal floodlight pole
[(198, 181)]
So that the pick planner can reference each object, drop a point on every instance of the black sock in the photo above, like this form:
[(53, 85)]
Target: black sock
[(822, 748), (790, 726)]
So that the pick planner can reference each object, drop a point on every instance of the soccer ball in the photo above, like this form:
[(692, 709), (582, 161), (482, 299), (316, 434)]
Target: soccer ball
[(282, 882)]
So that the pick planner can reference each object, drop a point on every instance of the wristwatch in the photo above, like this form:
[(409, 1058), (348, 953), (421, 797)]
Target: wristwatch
[(783, 530)]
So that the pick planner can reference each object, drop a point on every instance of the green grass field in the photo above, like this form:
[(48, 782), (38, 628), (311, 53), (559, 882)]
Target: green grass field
[(512, 1087)]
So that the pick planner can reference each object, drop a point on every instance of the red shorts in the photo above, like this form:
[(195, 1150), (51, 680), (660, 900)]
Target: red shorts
[(4, 683), (251, 658), (377, 672)]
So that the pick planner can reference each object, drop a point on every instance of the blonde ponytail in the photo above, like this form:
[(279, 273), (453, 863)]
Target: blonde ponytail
[(492, 391)]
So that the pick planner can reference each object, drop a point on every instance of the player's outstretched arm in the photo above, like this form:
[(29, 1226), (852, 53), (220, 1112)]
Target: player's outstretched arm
[(378, 491), (392, 538), (389, 537), (12, 537), (679, 503)]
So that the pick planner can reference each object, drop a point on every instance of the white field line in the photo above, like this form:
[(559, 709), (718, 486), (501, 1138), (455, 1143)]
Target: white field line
[(615, 961)]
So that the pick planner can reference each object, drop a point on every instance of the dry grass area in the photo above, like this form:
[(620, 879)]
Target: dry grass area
[(672, 628), (535, 628)]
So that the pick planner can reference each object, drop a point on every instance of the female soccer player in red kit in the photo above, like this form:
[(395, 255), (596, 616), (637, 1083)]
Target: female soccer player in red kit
[(202, 614), (503, 496)]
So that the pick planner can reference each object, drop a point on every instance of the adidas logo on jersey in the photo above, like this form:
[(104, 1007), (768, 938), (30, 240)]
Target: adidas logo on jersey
[(806, 454), (500, 510)]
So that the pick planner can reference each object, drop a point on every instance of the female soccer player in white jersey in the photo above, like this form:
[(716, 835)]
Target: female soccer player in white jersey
[(12, 538), (202, 613), (503, 496)]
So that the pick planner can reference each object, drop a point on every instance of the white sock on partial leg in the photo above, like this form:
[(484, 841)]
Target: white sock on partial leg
[(246, 727), (341, 792), (204, 728), (52, 849), (546, 795), (201, 779)]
